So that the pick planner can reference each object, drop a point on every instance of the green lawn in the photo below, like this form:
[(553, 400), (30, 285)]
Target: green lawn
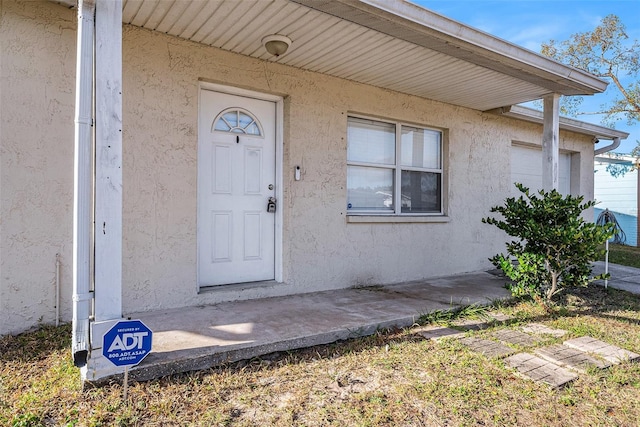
[(624, 255), (393, 378)]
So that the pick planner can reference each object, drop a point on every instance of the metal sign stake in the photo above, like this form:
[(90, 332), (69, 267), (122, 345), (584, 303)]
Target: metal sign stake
[(126, 382), (126, 344)]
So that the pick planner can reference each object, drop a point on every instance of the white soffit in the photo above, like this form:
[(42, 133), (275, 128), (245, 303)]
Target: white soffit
[(391, 44)]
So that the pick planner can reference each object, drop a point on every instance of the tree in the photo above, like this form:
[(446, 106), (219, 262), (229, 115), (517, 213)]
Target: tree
[(554, 245), (608, 53)]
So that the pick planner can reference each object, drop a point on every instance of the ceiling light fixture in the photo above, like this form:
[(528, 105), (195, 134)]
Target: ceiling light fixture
[(276, 44)]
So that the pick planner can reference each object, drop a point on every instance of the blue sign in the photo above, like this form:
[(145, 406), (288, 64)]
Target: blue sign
[(127, 343)]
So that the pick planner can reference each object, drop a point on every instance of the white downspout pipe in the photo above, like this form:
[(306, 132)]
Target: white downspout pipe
[(57, 290), (82, 183), (615, 144)]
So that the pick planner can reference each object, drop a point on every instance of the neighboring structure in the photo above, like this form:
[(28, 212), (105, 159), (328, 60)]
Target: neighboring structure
[(213, 170), (617, 188)]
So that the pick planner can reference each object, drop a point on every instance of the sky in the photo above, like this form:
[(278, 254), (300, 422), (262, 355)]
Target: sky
[(529, 23)]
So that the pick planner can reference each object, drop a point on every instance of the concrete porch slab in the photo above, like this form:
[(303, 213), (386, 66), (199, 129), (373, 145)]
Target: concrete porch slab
[(201, 337)]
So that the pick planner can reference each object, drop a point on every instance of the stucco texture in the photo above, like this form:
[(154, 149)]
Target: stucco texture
[(161, 80), (37, 75)]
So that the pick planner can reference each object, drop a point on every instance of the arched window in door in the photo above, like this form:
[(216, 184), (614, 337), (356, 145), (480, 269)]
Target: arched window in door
[(237, 120)]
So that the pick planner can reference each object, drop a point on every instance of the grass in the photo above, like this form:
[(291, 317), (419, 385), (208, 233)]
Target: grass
[(393, 378), (624, 255)]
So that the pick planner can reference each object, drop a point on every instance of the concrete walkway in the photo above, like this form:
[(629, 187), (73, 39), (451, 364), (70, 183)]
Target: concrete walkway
[(622, 277), (201, 337), (197, 338)]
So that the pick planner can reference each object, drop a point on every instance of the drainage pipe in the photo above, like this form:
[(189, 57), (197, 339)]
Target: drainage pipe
[(82, 183), (615, 144), (57, 290)]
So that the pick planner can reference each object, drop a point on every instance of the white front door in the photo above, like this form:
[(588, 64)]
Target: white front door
[(236, 179)]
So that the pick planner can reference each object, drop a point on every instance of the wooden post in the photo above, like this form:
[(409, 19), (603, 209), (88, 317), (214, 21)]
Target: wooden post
[(108, 164), (551, 142)]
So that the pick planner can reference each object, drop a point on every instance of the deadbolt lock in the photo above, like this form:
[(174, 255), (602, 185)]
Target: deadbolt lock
[(271, 205)]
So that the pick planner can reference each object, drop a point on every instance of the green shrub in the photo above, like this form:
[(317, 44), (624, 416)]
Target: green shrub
[(554, 246)]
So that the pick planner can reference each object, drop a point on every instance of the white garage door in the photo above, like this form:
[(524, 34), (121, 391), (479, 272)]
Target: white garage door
[(526, 168)]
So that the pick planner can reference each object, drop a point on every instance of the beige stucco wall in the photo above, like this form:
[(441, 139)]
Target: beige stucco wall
[(37, 75), (161, 78)]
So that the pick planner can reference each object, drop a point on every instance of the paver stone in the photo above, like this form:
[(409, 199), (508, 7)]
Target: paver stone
[(609, 352), (514, 337), (487, 347), (571, 358), (439, 332), (540, 370), (538, 328)]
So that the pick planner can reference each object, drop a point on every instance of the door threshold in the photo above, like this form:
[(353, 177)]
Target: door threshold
[(238, 286)]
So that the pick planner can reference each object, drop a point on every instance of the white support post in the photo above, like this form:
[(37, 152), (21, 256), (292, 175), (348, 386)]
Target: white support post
[(82, 181), (637, 202), (551, 142), (108, 165)]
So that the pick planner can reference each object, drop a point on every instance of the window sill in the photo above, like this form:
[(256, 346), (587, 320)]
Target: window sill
[(396, 219)]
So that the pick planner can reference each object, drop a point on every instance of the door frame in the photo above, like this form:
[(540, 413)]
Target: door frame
[(279, 142)]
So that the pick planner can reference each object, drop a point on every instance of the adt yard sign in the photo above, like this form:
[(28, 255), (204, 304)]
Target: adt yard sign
[(127, 343)]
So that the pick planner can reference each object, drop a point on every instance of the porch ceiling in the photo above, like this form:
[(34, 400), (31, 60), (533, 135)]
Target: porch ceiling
[(391, 44)]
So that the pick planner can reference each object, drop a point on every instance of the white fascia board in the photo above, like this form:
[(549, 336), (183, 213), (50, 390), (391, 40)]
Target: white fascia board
[(622, 159), (407, 21), (486, 41), (566, 123)]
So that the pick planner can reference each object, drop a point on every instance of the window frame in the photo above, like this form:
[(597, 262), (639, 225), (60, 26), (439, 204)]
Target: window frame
[(238, 111), (396, 213)]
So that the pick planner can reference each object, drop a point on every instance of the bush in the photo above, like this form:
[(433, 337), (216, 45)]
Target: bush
[(554, 246)]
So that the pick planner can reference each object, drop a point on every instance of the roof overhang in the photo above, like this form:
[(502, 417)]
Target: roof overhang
[(566, 123), (407, 21), (392, 44), (618, 159)]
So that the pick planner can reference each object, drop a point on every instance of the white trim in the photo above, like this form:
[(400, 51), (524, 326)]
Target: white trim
[(108, 162), (232, 90), (392, 219), (241, 110), (82, 181), (279, 101), (566, 123), (551, 142), (398, 168)]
